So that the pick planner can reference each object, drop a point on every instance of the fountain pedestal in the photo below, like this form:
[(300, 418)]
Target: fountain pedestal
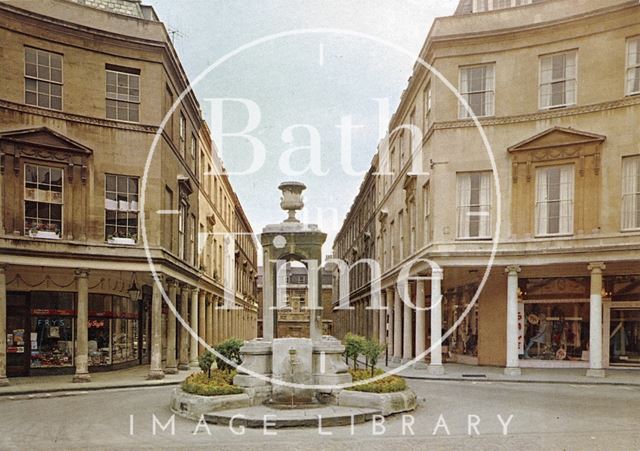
[(291, 362)]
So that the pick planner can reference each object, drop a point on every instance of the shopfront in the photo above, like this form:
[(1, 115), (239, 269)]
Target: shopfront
[(462, 345), (621, 322), (553, 322), (41, 329)]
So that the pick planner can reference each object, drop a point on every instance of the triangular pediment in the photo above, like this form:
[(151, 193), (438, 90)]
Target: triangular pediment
[(557, 137), (44, 137)]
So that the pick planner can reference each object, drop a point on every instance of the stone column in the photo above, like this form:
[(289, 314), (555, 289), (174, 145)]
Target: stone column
[(3, 324), (216, 321), (224, 318), (435, 367), (172, 365), (193, 322), (407, 330), (382, 320), (267, 298), (202, 318), (513, 365), (421, 324), (244, 324), (82, 328), (183, 354), (155, 363), (315, 315), (375, 319), (595, 321), (209, 320), (397, 326), (390, 322)]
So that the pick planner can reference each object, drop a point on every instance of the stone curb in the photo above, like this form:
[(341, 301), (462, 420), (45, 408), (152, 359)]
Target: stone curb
[(84, 387), (520, 381)]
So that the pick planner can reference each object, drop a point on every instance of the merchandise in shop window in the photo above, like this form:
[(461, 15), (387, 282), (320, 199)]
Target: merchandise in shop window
[(556, 331), (54, 342)]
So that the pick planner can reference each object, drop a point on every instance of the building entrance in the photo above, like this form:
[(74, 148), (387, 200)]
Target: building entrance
[(624, 336)]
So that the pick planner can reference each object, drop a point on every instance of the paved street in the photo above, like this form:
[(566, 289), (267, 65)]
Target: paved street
[(544, 416)]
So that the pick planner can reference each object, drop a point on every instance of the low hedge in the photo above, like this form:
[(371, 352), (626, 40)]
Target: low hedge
[(389, 384), (220, 383)]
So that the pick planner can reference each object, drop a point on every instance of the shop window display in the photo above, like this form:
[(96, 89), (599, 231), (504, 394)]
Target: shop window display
[(99, 330), (464, 339), (52, 329), (99, 343), (556, 331), (124, 337), (625, 337)]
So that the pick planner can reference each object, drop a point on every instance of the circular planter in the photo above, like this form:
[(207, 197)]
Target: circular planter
[(386, 403), (194, 406)]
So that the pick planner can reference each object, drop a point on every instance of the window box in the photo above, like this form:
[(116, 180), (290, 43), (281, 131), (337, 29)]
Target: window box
[(44, 234), (121, 240)]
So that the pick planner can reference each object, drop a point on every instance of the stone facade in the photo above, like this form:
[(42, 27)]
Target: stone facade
[(85, 89), (555, 195)]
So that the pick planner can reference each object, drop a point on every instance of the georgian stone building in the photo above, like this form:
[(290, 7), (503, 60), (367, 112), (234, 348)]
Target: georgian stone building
[(84, 88), (533, 242), (356, 241)]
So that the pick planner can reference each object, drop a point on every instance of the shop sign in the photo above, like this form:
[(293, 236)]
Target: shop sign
[(52, 312), (113, 315), (520, 328)]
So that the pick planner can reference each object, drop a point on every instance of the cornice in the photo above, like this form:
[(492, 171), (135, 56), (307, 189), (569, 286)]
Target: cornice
[(542, 115), (87, 120), (530, 26)]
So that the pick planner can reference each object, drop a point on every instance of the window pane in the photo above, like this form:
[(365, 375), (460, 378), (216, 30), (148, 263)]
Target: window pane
[(30, 55), (56, 75), (110, 182), (122, 185), (133, 185), (30, 70), (31, 174)]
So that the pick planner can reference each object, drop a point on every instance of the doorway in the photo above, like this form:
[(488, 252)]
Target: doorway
[(624, 335), (18, 334)]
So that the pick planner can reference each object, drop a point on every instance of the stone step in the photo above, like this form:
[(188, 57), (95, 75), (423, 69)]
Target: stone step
[(325, 416)]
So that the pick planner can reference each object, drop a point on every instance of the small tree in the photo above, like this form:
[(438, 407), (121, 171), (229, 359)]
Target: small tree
[(230, 349), (205, 361), (353, 346), (372, 351)]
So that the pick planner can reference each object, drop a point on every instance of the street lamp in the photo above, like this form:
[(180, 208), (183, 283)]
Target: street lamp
[(134, 291)]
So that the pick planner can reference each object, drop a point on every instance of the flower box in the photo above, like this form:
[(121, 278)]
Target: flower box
[(45, 234), (119, 240)]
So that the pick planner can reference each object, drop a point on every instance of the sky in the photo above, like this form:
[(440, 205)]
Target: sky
[(307, 87)]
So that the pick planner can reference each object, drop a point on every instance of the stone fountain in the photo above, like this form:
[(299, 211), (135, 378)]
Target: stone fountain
[(316, 360), (284, 377)]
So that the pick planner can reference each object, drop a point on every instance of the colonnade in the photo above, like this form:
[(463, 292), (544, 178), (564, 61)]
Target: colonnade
[(404, 328), (205, 313)]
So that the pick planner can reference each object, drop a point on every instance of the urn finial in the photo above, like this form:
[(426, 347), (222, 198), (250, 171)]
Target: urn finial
[(291, 199)]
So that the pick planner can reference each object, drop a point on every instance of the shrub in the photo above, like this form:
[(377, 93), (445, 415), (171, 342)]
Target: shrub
[(216, 384), (387, 384), (372, 350), (354, 345), (230, 349), (205, 361)]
